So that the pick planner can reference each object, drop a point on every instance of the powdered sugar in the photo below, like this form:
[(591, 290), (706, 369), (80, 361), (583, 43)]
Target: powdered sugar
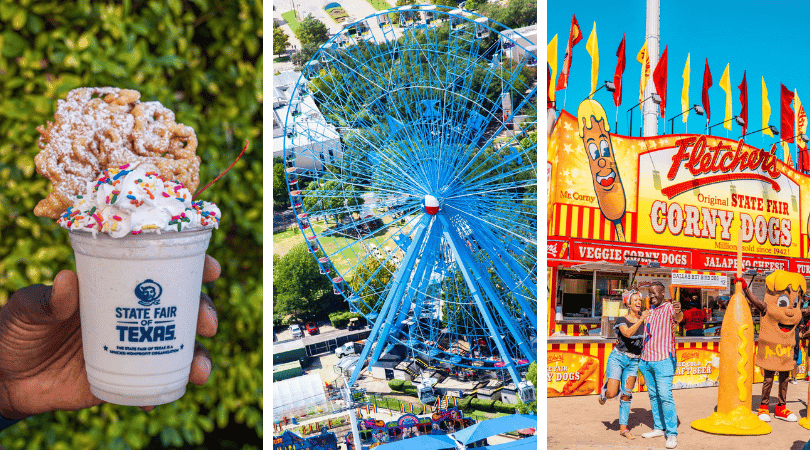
[(97, 128)]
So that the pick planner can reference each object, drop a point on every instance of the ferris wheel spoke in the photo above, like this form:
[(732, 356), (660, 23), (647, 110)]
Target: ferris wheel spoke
[(514, 276), (496, 226), (471, 273), (502, 127)]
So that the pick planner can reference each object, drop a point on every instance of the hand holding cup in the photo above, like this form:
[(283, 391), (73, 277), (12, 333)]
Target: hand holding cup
[(42, 366)]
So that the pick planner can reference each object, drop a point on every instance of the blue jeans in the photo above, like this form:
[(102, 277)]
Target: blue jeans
[(658, 376), (620, 367)]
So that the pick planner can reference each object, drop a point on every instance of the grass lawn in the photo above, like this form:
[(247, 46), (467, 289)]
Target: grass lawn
[(343, 261), (379, 5), (289, 17), (284, 58)]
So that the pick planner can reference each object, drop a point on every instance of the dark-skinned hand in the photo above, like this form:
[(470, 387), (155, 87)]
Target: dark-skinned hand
[(41, 359)]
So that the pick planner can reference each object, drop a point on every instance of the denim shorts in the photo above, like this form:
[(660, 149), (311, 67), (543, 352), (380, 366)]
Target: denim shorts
[(620, 367)]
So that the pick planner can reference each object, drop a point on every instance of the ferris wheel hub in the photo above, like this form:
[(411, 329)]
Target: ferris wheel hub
[(431, 205)]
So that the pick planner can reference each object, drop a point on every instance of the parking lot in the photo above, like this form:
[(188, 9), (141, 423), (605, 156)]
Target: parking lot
[(324, 326)]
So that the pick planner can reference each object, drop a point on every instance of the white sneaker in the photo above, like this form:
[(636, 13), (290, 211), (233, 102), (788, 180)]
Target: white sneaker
[(653, 433), (765, 417), (672, 441)]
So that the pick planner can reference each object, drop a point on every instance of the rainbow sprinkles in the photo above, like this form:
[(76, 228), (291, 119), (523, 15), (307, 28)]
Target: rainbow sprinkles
[(129, 200)]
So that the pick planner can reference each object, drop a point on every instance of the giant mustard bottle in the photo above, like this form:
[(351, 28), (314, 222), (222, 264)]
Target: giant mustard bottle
[(734, 415)]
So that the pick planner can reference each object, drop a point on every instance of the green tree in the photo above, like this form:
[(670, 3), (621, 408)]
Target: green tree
[(515, 14), (300, 290), (281, 198), (370, 280), (312, 31), (395, 17), (280, 40), (330, 199), (302, 57)]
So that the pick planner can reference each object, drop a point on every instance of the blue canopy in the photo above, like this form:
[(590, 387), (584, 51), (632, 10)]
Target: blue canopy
[(529, 443), (424, 442), (492, 427)]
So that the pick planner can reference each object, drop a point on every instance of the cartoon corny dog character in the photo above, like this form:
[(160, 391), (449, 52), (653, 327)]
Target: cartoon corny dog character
[(607, 184), (780, 314)]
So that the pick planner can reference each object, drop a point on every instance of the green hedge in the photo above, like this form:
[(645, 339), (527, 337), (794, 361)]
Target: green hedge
[(483, 405), (502, 407), (393, 404), (341, 319), (396, 385), (203, 60), (465, 404)]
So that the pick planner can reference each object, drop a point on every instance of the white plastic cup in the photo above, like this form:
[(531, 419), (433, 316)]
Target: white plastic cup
[(139, 300)]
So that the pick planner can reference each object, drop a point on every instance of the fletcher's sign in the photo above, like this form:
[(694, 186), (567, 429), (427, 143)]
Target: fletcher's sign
[(688, 191), (700, 159)]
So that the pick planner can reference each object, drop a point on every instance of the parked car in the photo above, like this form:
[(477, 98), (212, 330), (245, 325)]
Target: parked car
[(349, 348), (296, 331), (312, 328)]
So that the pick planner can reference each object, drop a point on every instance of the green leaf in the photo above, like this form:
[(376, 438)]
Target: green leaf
[(170, 436), (13, 44), (18, 21)]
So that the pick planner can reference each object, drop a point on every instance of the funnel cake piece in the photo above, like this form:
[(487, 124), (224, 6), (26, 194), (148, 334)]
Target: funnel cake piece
[(98, 128)]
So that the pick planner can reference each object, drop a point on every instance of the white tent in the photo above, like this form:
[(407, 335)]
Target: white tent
[(292, 396)]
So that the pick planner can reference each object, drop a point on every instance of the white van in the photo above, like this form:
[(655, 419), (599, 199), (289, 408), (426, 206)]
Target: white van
[(296, 331)]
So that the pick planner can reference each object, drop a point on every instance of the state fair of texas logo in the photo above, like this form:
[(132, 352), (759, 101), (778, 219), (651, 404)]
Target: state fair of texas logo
[(148, 293)]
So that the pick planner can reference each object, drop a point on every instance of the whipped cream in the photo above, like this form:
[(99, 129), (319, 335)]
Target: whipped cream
[(129, 200)]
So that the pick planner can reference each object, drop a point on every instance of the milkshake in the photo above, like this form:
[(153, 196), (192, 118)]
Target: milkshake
[(140, 246), (122, 174)]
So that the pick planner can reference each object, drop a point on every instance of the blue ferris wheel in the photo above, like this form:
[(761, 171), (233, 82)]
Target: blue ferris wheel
[(411, 162)]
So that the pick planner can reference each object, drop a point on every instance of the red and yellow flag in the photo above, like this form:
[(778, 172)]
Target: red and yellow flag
[(685, 91), (592, 46), (801, 128), (725, 85), (786, 115), (660, 80), (707, 83), (644, 58), (551, 51), (766, 110), (743, 87), (618, 74), (573, 38)]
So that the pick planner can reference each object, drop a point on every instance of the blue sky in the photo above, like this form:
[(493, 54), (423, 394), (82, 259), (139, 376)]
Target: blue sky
[(766, 39)]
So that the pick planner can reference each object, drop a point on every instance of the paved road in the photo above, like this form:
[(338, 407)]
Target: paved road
[(581, 423)]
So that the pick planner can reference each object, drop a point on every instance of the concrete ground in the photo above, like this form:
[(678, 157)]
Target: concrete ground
[(581, 423)]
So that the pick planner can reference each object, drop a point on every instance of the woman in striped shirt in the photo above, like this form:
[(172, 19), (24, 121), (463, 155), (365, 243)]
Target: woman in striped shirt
[(622, 364)]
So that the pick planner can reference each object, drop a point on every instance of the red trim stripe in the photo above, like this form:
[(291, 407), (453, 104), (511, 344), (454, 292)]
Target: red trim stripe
[(569, 214), (598, 221)]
